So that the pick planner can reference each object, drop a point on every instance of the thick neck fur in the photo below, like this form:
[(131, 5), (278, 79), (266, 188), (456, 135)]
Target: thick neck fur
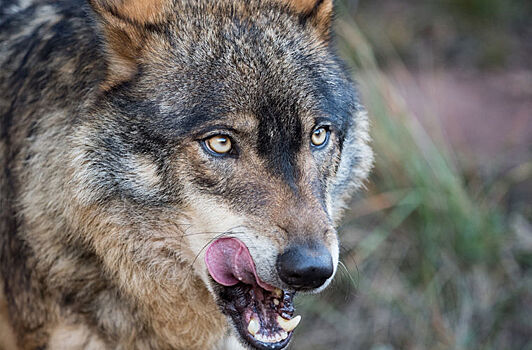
[(133, 302), (149, 298)]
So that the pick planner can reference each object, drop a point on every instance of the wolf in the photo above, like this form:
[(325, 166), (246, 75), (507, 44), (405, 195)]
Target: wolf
[(172, 171)]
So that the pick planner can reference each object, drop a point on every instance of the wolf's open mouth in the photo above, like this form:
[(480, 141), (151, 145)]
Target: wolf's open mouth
[(262, 314)]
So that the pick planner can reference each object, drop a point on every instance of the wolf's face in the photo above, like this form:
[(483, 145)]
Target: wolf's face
[(228, 145)]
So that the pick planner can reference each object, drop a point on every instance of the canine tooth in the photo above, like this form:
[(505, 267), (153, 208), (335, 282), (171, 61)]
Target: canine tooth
[(278, 337), (253, 327), (277, 292), (276, 302), (288, 325), (284, 335)]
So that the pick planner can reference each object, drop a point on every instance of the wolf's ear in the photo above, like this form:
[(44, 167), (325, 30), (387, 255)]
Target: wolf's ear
[(124, 25), (319, 12)]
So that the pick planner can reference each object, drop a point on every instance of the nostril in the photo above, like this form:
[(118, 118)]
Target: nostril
[(305, 266)]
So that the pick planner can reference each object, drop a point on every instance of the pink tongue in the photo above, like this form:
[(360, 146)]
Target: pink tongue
[(228, 261)]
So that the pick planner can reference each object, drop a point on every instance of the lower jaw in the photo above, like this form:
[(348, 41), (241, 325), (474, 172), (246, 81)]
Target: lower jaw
[(266, 346), (259, 315)]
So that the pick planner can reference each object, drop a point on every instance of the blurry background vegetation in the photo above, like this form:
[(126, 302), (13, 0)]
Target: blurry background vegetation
[(437, 251)]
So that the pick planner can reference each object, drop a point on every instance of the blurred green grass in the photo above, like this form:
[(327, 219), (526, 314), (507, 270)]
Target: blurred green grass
[(430, 260)]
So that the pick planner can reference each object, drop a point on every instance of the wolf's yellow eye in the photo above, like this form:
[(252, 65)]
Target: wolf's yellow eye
[(219, 144), (320, 136)]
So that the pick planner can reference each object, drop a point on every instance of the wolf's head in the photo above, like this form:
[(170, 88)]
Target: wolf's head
[(226, 140)]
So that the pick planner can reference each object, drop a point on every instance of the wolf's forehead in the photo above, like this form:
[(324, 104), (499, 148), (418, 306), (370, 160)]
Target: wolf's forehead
[(266, 121)]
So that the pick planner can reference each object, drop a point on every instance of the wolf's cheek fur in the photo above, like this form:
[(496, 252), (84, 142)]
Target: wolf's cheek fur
[(355, 163), (208, 220), (144, 254), (205, 220)]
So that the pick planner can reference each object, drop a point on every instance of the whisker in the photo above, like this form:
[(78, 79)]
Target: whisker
[(207, 233), (230, 231)]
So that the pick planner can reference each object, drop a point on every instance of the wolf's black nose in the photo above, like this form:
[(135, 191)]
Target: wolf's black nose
[(305, 266)]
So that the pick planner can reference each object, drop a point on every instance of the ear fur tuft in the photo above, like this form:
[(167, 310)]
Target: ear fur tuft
[(133, 11), (124, 28), (319, 13)]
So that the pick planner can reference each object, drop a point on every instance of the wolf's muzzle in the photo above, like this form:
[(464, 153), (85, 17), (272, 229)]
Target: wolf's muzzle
[(305, 266)]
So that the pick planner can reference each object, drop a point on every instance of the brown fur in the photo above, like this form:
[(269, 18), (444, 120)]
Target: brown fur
[(134, 11), (7, 335), (124, 39), (321, 11)]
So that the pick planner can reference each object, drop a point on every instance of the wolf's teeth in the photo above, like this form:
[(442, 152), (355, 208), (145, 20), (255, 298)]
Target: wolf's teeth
[(277, 292), (282, 335), (276, 302), (253, 327), (288, 325)]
